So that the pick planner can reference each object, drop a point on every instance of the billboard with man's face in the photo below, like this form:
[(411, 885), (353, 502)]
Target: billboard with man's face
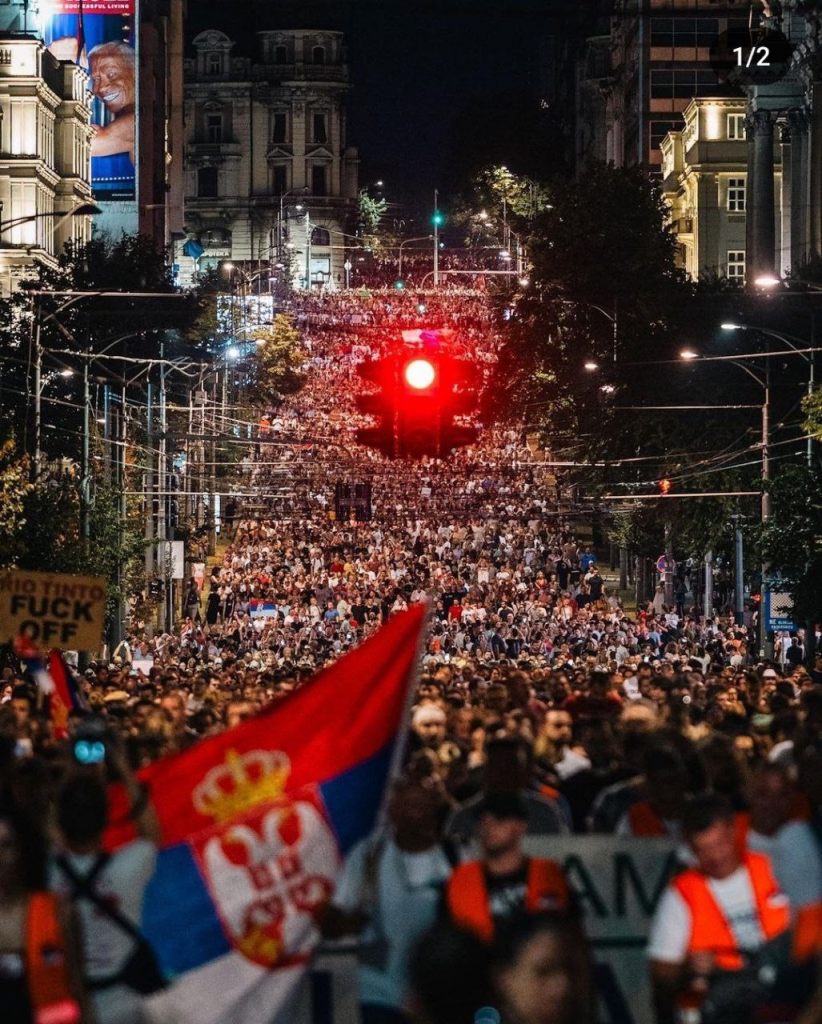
[(99, 35)]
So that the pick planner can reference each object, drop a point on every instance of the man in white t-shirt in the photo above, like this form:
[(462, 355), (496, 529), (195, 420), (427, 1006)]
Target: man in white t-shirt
[(790, 843), (710, 916), (117, 881), (389, 893)]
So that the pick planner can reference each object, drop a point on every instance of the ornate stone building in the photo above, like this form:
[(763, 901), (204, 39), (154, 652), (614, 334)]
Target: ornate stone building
[(45, 156), (271, 183), (704, 181)]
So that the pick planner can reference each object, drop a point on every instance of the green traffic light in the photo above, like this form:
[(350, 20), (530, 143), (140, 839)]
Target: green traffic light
[(438, 219), (399, 284)]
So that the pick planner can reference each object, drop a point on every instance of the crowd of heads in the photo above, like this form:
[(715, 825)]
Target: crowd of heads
[(535, 678)]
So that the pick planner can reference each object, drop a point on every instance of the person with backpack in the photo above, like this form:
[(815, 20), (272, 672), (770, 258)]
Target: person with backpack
[(107, 889), (389, 893)]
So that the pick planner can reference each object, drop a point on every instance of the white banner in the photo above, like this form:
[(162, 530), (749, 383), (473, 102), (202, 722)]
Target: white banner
[(618, 883)]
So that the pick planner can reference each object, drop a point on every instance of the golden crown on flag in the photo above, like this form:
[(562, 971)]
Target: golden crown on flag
[(243, 781)]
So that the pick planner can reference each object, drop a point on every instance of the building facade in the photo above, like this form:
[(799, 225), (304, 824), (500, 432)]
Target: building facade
[(45, 156), (704, 182), (660, 61), (271, 182)]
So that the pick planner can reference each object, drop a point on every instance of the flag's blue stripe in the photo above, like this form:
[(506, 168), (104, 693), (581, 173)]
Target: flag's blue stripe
[(353, 798), (179, 918)]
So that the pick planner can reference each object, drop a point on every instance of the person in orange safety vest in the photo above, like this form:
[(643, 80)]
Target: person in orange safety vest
[(482, 893), (716, 916)]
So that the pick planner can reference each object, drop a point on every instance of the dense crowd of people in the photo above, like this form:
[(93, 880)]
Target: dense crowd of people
[(543, 708)]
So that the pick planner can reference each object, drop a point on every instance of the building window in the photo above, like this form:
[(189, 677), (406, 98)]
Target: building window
[(684, 32), (320, 236), (214, 63), (736, 264), (320, 128), (736, 195), (214, 128), (207, 182), (279, 179), (318, 55), (280, 54), (659, 129), (279, 127), (736, 126), (319, 185), (682, 85)]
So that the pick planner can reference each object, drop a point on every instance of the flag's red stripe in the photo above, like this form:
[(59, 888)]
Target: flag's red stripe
[(342, 717)]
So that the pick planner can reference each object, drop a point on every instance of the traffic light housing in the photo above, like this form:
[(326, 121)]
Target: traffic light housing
[(438, 218), (420, 395)]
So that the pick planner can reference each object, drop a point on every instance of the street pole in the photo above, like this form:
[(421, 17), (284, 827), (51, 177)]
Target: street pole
[(811, 380), (739, 571), (669, 566), (107, 448), (85, 468), (307, 251), (162, 505), (38, 391), (149, 492), (766, 504), (436, 240), (708, 594)]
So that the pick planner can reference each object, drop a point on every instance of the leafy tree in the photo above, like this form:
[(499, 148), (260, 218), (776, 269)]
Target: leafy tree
[(791, 540), (280, 360), (14, 490), (50, 535), (370, 212)]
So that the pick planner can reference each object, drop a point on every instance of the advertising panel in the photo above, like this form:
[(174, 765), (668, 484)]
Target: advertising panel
[(99, 35)]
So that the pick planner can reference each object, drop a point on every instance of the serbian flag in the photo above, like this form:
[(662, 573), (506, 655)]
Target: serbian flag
[(54, 680), (255, 823)]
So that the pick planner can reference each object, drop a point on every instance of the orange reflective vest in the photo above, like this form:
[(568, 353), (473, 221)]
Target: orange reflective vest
[(710, 931), (807, 921), (645, 821), (466, 894), (50, 991)]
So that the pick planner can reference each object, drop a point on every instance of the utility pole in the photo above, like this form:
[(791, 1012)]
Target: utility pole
[(38, 390), (164, 548), (149, 492), (766, 506), (739, 571), (708, 595), (85, 467), (107, 447), (669, 566), (307, 250), (436, 239)]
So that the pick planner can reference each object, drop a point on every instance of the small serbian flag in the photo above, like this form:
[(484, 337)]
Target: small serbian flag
[(54, 680), (255, 822)]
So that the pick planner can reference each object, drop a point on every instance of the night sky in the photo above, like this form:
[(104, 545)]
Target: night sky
[(414, 65)]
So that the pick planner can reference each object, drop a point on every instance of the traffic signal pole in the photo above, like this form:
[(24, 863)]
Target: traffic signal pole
[(436, 240)]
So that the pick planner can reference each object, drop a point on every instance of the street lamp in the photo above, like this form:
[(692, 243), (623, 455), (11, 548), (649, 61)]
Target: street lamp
[(591, 366), (764, 381), (85, 209), (792, 342)]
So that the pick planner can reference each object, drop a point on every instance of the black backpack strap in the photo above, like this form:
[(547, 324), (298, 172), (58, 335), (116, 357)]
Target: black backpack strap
[(83, 888)]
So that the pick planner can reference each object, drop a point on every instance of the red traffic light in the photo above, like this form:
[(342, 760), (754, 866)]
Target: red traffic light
[(420, 374), (664, 486)]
